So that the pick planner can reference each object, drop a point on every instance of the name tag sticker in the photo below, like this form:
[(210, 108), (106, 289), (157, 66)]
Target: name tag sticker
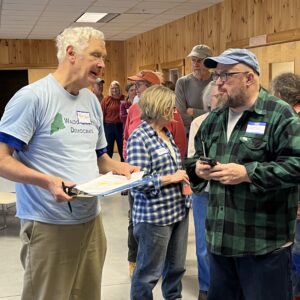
[(161, 151), (83, 117), (256, 127)]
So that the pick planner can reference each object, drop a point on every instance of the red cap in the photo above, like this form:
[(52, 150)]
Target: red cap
[(146, 75)]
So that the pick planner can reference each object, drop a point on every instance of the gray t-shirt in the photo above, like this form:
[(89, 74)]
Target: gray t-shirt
[(62, 132), (189, 91)]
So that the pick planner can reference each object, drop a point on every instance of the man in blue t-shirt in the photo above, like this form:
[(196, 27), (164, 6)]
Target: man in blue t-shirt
[(51, 135)]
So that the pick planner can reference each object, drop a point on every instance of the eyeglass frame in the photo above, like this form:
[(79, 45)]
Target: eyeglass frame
[(215, 76), (139, 83)]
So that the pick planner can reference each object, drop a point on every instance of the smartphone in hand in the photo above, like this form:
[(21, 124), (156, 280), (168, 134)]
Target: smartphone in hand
[(207, 160)]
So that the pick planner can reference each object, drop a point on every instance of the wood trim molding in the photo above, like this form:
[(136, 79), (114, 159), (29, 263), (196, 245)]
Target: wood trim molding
[(26, 66), (172, 64), (153, 67), (272, 38)]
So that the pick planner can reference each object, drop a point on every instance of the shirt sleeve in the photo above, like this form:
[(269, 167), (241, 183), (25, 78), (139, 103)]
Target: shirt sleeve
[(181, 102), (12, 141), (137, 155), (178, 132), (20, 116)]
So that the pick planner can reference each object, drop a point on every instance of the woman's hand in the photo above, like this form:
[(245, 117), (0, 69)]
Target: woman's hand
[(179, 176)]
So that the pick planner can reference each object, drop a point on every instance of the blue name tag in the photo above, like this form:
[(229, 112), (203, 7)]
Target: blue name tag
[(256, 127)]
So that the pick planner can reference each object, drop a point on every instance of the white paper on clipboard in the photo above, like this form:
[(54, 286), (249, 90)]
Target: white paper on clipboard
[(110, 183)]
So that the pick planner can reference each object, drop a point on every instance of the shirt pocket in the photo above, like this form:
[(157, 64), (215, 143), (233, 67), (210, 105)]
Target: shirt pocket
[(252, 149)]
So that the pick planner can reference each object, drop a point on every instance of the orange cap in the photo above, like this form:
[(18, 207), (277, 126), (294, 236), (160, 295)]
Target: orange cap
[(146, 75)]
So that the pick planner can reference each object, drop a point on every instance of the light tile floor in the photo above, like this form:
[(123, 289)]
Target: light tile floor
[(115, 282)]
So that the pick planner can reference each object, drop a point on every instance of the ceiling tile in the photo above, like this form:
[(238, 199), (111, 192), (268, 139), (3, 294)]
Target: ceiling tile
[(49, 17)]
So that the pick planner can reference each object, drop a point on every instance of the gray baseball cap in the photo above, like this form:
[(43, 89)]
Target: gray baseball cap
[(233, 56), (201, 51)]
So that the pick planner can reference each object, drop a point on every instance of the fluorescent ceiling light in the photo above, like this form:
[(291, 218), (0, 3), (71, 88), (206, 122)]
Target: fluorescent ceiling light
[(91, 17)]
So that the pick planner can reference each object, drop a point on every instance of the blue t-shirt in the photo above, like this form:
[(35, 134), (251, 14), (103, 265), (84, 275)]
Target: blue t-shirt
[(61, 133)]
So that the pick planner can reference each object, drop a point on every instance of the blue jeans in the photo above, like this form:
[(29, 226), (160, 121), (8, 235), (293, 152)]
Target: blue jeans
[(199, 211), (296, 261), (262, 277), (114, 132), (161, 252)]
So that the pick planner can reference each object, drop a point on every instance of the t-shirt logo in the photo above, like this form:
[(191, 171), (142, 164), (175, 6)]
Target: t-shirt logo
[(57, 124)]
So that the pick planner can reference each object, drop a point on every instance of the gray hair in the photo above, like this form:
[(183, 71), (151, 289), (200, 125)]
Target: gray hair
[(157, 102), (206, 95), (286, 86), (78, 37)]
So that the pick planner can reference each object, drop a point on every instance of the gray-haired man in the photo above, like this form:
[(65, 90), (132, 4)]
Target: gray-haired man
[(189, 88)]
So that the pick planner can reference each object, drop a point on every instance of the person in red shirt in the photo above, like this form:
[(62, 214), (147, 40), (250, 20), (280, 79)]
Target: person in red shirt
[(125, 105), (113, 125), (143, 80)]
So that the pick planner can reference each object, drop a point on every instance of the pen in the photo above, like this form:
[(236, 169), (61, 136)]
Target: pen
[(203, 148), (65, 189)]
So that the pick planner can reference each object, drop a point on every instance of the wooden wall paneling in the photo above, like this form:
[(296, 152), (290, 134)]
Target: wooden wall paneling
[(4, 57), (152, 67), (131, 59), (215, 28), (226, 30), (285, 52), (174, 40), (114, 64), (148, 46), (285, 15), (47, 54), (192, 25), (297, 58), (19, 52), (159, 38), (36, 74)]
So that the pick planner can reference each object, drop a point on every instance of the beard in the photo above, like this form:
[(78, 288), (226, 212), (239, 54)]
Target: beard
[(239, 99), (197, 73)]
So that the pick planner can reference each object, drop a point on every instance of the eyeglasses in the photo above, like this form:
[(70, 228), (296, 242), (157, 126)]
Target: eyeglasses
[(197, 60), (224, 76), (139, 83)]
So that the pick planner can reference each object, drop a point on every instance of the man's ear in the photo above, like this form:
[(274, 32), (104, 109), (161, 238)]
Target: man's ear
[(250, 78), (70, 53)]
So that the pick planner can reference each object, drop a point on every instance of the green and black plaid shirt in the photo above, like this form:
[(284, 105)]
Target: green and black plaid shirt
[(259, 217)]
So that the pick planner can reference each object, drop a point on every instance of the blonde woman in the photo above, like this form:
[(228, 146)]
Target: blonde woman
[(113, 125), (160, 214)]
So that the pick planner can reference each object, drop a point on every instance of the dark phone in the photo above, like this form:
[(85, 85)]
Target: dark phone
[(207, 160)]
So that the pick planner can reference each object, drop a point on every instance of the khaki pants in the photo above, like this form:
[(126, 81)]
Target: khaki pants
[(62, 262)]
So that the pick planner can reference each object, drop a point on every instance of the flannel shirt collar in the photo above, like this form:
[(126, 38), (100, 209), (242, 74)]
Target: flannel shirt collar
[(151, 132)]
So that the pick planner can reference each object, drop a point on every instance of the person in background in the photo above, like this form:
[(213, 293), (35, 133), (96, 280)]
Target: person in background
[(211, 99), (144, 80), (189, 88), (160, 210), (98, 88), (286, 86), (253, 195), (169, 84), (125, 105), (51, 137), (113, 125)]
